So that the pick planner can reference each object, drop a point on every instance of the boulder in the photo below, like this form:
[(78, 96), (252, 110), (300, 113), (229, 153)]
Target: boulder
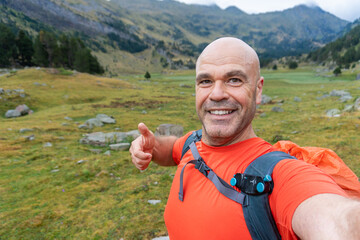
[(358, 76), (105, 118), (23, 109), (2, 91), (345, 98), (277, 109), (297, 99), (339, 93), (333, 112), (169, 130), (103, 139), (133, 134), (12, 114), (265, 99), (357, 104), (94, 122), (120, 146)]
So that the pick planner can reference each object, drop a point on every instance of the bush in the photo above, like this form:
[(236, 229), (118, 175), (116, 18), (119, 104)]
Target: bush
[(293, 65), (337, 71)]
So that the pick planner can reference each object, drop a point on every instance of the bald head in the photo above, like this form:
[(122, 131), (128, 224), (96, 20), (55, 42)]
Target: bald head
[(223, 49)]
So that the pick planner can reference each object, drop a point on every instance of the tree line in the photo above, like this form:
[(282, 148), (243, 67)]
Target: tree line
[(46, 50), (344, 50)]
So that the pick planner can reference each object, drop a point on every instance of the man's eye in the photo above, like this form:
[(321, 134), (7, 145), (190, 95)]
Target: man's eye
[(235, 81), (205, 82)]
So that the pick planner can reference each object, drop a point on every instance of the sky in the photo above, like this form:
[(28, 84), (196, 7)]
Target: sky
[(345, 9)]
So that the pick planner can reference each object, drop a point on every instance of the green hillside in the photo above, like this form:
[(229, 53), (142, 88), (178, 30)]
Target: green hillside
[(53, 187), (140, 35)]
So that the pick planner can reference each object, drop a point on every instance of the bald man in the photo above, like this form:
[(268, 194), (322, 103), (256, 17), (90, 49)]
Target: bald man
[(305, 202)]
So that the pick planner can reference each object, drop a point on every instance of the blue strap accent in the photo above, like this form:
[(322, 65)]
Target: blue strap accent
[(257, 213)]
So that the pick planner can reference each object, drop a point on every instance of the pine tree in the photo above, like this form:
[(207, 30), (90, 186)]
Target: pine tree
[(40, 53), (7, 46), (25, 49), (147, 75)]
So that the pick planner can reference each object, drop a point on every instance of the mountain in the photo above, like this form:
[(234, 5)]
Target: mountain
[(343, 51), (139, 35)]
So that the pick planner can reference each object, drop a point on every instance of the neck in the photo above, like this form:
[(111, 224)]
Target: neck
[(217, 141)]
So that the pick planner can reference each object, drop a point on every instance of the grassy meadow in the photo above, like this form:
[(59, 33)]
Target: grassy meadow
[(45, 193)]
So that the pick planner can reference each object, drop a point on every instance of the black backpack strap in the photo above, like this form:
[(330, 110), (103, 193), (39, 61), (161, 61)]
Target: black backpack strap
[(257, 212)]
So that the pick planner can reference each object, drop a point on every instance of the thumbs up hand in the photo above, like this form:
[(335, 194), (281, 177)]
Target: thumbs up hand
[(142, 148)]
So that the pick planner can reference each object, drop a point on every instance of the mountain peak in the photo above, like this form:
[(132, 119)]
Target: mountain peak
[(234, 10)]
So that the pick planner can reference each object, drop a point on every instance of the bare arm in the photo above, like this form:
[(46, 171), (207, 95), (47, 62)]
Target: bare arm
[(327, 216), (147, 148)]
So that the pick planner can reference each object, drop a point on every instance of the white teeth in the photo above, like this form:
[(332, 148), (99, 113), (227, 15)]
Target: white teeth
[(220, 112)]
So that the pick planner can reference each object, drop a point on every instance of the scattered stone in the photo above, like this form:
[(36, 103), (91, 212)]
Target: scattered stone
[(107, 153), (12, 114), (357, 104), (30, 137), (265, 99), (2, 91), (345, 98), (333, 112), (105, 118), (22, 130), (47, 144), (154, 202), (83, 126), (323, 96), (358, 76), (297, 99), (93, 122), (169, 130), (162, 238), (339, 93), (134, 134), (65, 124), (348, 108), (68, 118), (81, 161), (185, 86), (144, 112), (120, 146), (55, 170), (277, 109), (103, 139), (263, 115)]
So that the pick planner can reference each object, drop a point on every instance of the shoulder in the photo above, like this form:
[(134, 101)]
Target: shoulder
[(178, 146)]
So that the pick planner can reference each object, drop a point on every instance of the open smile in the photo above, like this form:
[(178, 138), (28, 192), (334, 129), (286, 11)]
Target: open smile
[(221, 112)]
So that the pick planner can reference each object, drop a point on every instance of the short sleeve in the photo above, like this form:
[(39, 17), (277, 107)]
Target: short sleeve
[(294, 182), (177, 148)]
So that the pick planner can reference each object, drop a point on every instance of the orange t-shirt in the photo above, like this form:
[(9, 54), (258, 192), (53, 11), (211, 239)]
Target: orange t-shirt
[(207, 214)]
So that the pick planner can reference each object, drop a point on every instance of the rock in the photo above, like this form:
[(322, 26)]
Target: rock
[(262, 115), (345, 98), (68, 118), (2, 91), (265, 99), (162, 238), (22, 130), (339, 93), (357, 104), (277, 109), (105, 118), (333, 112), (154, 202), (348, 108), (358, 76), (23, 109), (55, 170), (144, 112), (103, 139), (323, 96), (81, 161), (83, 126), (134, 134), (47, 144), (93, 122), (120, 146), (297, 99), (169, 130), (107, 153), (30, 137), (12, 114)]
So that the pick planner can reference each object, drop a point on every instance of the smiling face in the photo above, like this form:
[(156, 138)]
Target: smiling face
[(228, 87)]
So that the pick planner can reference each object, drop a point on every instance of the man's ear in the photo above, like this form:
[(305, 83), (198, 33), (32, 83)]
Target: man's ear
[(259, 87)]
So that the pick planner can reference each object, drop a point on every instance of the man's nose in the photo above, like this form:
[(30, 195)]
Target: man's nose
[(218, 92)]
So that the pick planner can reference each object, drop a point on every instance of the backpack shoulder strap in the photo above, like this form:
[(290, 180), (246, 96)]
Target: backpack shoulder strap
[(257, 212), (194, 137)]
